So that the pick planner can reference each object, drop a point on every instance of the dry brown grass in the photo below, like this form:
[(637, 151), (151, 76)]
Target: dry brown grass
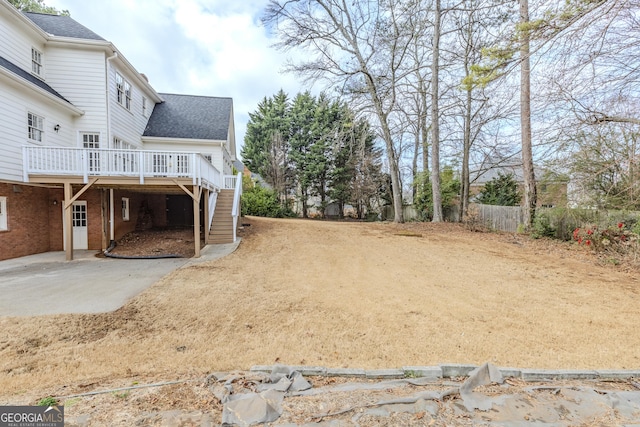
[(343, 295)]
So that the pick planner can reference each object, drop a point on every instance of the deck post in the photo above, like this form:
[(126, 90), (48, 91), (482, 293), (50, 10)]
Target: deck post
[(206, 216), (68, 221), (197, 192), (112, 225)]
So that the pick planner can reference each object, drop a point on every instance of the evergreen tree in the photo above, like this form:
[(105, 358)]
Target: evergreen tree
[(500, 191), (317, 147), (450, 187), (266, 143), (302, 139)]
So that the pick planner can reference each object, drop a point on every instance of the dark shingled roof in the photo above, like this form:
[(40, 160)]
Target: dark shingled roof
[(30, 77), (190, 117), (62, 26)]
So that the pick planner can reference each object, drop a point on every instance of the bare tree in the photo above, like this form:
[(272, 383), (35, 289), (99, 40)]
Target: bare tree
[(530, 195), (435, 115), (415, 91), (358, 46)]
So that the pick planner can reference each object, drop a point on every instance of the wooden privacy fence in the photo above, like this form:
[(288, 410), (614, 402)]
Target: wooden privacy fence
[(408, 212), (502, 218)]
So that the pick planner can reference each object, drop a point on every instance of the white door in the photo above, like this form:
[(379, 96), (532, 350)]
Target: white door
[(79, 221)]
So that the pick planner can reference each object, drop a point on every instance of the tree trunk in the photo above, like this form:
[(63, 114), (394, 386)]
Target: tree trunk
[(466, 138), (464, 199), (305, 207), (424, 129), (414, 163), (396, 188), (530, 198), (435, 113)]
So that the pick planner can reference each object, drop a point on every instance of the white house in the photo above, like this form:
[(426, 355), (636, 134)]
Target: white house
[(90, 150)]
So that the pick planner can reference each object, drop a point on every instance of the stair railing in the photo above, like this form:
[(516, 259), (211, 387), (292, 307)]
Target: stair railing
[(213, 197), (235, 213)]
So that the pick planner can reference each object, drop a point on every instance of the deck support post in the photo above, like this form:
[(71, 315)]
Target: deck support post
[(68, 221), (112, 226), (206, 216), (197, 193)]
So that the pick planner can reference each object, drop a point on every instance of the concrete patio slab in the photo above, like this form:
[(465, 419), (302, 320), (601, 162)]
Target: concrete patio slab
[(45, 284)]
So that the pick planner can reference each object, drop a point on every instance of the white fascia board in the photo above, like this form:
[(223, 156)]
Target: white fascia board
[(179, 141), (19, 81)]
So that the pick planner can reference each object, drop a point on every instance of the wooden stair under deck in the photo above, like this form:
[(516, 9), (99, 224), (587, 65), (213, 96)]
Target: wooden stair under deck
[(222, 225)]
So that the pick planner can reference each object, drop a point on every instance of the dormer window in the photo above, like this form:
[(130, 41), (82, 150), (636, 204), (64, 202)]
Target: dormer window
[(36, 62), (123, 89)]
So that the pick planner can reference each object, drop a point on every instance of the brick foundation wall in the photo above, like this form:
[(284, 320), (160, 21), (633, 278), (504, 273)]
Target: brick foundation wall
[(35, 218), (28, 212), (158, 204), (94, 218), (56, 197)]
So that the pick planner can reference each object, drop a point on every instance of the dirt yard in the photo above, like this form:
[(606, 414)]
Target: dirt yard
[(341, 294)]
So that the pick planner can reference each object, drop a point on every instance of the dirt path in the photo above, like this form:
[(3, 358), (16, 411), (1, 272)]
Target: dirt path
[(341, 295)]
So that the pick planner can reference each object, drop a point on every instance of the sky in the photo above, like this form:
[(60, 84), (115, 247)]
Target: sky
[(194, 47)]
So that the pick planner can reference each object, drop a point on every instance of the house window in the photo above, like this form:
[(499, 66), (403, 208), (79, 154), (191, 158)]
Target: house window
[(124, 161), (182, 164), (92, 142), (3, 214), (144, 107), (36, 127), (123, 90), (160, 164), (125, 209), (127, 95), (36, 62), (79, 215), (119, 144)]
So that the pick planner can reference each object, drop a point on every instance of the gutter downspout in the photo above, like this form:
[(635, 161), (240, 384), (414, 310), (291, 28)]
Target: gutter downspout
[(112, 225), (106, 92)]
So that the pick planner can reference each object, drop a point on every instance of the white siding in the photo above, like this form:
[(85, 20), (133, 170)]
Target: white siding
[(15, 103), (16, 41), (78, 75), (213, 149), (128, 124), (218, 160)]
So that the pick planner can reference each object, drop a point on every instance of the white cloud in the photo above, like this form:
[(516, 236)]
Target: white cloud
[(197, 47)]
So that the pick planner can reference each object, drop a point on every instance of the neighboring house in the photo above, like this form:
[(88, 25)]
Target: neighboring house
[(551, 188), (90, 151)]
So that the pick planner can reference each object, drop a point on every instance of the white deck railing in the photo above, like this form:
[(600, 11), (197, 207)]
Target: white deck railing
[(235, 212), (229, 182), (89, 162)]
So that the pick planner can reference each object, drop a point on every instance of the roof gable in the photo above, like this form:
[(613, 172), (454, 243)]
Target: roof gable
[(4, 63), (62, 26), (191, 117)]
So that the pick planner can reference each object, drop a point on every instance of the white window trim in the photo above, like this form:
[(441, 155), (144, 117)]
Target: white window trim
[(35, 127), (36, 62), (123, 91), (3, 214), (125, 209), (93, 141), (120, 144), (127, 95)]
